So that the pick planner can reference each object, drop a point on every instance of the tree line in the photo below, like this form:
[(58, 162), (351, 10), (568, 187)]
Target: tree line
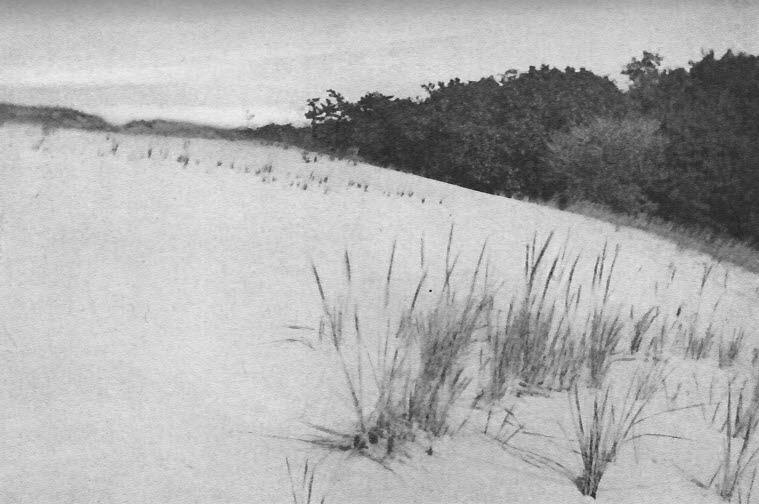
[(680, 144)]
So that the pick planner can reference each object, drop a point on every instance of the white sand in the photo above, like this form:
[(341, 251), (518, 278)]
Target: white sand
[(144, 307)]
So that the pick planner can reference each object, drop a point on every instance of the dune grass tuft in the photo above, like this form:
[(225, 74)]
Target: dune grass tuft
[(605, 420), (738, 459), (741, 411), (641, 327), (538, 344), (405, 376), (699, 346), (604, 426), (730, 349)]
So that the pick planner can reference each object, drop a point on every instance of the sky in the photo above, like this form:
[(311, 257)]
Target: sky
[(235, 62)]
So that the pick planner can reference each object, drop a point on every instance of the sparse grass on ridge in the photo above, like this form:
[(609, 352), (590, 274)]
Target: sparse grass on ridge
[(721, 247)]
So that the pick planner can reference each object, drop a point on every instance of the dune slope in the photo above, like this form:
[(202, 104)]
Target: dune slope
[(152, 288)]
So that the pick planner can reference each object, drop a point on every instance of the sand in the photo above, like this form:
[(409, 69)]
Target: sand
[(147, 306)]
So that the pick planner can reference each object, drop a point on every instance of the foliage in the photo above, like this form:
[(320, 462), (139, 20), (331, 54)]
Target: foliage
[(487, 135), (610, 161), (679, 144), (710, 115)]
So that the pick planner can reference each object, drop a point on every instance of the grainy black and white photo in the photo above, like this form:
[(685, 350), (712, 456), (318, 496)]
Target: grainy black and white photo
[(379, 252)]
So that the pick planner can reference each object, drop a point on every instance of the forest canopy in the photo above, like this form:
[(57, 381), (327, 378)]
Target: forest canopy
[(680, 144)]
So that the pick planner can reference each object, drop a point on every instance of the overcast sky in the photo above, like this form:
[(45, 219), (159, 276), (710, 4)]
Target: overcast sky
[(216, 61)]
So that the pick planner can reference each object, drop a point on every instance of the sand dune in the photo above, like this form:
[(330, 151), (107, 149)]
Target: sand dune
[(149, 286)]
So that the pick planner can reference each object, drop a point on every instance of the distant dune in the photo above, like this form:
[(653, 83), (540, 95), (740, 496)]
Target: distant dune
[(62, 117)]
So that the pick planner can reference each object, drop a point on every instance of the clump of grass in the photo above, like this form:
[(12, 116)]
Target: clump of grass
[(656, 346), (533, 345), (418, 373), (442, 338), (537, 346), (604, 332), (603, 428), (604, 336), (303, 493), (641, 327), (731, 474), (604, 421), (730, 350), (742, 412), (699, 346)]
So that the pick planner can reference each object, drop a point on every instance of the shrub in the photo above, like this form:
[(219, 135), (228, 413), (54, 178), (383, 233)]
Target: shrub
[(609, 161)]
